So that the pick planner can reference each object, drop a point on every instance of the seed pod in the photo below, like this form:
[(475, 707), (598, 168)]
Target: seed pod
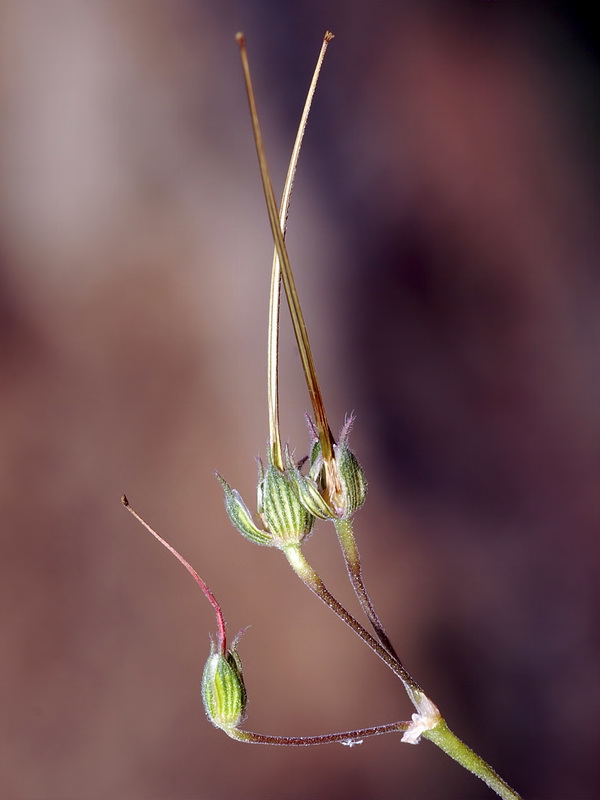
[(285, 518), (223, 690), (280, 508), (352, 478), (335, 489)]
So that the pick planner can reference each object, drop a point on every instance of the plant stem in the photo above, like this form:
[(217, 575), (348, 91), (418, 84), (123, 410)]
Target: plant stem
[(440, 734), (347, 542), (427, 721), (349, 737), (221, 637), (310, 578), (274, 296), (443, 737)]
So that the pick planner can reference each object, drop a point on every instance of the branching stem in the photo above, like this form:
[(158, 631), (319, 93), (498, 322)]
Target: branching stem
[(440, 734), (427, 721), (310, 578)]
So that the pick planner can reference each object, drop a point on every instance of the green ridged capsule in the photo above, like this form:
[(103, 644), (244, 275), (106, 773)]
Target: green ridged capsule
[(280, 508), (223, 690), (352, 477), (286, 520), (333, 490)]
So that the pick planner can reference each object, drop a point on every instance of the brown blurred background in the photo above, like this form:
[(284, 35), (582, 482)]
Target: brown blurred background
[(445, 240)]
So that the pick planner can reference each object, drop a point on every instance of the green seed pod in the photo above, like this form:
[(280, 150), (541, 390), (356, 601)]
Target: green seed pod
[(280, 508), (352, 479), (334, 490), (223, 691), (286, 520)]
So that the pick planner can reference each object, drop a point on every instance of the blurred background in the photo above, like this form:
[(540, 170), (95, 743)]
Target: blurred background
[(445, 241)]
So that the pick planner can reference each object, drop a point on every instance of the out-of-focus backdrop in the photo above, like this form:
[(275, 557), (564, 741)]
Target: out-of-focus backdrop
[(445, 241)]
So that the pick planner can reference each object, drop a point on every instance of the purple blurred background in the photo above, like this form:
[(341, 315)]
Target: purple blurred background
[(445, 240)]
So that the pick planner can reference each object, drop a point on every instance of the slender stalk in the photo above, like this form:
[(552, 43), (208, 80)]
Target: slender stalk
[(274, 297), (310, 578), (352, 558), (349, 738), (314, 390), (440, 735), (222, 640), (443, 737)]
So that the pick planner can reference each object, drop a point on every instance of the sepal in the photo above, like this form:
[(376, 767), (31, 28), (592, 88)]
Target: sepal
[(308, 491), (241, 517)]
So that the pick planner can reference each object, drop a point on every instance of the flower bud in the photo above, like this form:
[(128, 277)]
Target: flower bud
[(223, 691)]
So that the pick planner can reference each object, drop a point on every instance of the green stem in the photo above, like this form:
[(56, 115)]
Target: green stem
[(347, 542), (443, 737)]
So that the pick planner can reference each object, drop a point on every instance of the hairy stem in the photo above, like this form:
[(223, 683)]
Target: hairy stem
[(443, 737), (439, 734), (348, 737), (352, 558), (311, 579)]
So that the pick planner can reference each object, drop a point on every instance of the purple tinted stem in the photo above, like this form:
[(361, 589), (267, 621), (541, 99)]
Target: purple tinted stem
[(348, 737)]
